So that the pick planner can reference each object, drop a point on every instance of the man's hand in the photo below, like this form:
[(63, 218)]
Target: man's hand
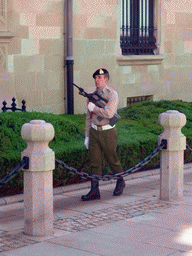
[(86, 142), (91, 106)]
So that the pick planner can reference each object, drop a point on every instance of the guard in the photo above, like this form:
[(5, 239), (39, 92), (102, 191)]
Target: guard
[(100, 136)]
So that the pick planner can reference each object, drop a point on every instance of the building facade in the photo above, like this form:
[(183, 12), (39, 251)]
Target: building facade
[(33, 50)]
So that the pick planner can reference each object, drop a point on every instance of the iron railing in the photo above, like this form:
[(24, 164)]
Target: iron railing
[(13, 106)]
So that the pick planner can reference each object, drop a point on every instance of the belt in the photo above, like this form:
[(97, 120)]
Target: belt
[(102, 128)]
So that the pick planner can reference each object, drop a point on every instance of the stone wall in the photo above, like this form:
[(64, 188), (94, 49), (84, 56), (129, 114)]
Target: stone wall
[(34, 55), (32, 52), (178, 49), (95, 43), (165, 75)]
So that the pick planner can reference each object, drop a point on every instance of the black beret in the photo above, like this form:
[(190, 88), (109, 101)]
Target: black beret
[(100, 71)]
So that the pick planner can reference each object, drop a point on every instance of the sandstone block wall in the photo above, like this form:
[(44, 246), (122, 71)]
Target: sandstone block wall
[(33, 69), (166, 75), (31, 61)]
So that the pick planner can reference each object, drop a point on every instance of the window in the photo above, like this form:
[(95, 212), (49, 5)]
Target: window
[(137, 27)]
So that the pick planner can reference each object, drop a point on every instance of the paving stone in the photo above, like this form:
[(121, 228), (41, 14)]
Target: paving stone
[(111, 214), (94, 215), (13, 240)]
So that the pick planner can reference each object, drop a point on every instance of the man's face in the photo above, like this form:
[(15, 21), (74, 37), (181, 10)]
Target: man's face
[(100, 81)]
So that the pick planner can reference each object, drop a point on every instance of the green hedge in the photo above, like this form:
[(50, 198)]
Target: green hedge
[(138, 132)]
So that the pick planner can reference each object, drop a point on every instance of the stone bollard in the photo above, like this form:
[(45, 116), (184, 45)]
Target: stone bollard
[(172, 158), (38, 179)]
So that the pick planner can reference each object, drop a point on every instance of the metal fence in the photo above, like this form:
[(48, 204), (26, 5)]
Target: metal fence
[(13, 106)]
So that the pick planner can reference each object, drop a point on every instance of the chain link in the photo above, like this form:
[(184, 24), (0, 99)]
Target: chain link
[(116, 176), (187, 146), (24, 164)]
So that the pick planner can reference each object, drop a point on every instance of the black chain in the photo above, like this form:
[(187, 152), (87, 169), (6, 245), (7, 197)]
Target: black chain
[(116, 176), (190, 149), (24, 164)]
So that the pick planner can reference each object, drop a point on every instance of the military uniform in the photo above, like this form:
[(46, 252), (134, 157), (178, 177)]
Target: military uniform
[(100, 136)]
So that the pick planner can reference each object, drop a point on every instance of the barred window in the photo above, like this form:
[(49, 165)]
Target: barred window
[(137, 27)]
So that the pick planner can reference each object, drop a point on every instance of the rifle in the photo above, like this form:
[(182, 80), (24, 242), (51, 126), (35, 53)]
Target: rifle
[(98, 103)]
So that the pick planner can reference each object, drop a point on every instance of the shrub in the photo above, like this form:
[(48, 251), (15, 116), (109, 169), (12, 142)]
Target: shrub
[(138, 132)]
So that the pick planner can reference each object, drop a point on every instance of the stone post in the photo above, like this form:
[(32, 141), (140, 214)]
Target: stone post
[(172, 158), (38, 179)]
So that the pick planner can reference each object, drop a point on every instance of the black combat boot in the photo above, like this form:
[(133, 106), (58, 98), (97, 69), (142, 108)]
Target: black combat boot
[(119, 187), (94, 193)]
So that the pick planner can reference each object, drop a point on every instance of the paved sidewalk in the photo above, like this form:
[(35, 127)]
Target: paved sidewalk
[(136, 223)]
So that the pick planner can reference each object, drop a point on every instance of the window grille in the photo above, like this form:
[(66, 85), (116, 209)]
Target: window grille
[(132, 100), (137, 29)]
